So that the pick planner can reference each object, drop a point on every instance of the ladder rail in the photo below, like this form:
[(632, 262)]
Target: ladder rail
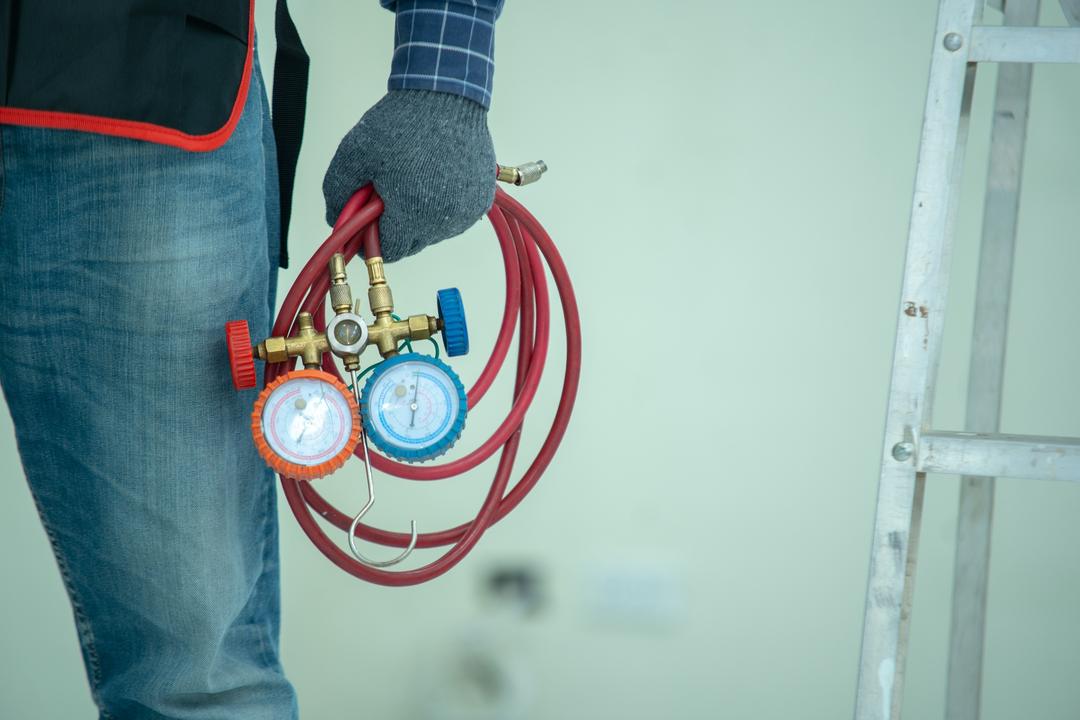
[(920, 322), (1001, 209)]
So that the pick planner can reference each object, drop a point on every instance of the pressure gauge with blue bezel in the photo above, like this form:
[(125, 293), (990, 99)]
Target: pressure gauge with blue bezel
[(414, 407)]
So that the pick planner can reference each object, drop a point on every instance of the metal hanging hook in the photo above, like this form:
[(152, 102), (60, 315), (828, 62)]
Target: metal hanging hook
[(371, 501)]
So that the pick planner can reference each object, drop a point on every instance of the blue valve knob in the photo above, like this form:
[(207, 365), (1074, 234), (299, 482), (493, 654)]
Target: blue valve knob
[(455, 333)]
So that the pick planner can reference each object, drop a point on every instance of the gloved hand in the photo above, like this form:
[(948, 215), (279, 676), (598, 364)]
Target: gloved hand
[(430, 157)]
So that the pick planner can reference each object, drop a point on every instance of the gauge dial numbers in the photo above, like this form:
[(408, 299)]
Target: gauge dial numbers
[(414, 407), (305, 424)]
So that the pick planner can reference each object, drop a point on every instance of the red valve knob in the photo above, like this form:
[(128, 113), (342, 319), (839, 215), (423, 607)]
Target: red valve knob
[(241, 361)]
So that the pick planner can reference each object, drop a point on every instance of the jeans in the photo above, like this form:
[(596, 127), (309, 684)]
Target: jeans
[(120, 262)]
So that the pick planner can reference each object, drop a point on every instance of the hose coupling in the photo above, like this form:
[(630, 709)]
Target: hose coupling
[(340, 293), (530, 172)]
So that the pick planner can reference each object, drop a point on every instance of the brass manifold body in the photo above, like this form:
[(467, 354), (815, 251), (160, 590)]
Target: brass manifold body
[(348, 334)]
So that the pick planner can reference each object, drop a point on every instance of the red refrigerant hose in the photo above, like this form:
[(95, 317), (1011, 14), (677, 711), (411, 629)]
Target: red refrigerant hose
[(525, 247)]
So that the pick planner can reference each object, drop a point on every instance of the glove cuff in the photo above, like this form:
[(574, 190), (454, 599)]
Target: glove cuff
[(452, 110)]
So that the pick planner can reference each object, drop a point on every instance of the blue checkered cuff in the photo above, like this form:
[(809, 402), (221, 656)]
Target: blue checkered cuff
[(445, 46)]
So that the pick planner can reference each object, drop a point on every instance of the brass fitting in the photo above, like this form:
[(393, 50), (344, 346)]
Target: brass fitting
[(340, 294), (379, 296), (341, 301), (273, 350), (308, 344), (385, 332), (530, 172)]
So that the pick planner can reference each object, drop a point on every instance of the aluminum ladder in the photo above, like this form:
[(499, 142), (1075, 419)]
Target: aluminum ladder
[(912, 448)]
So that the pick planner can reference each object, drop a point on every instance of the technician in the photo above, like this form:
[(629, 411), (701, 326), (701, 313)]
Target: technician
[(140, 209)]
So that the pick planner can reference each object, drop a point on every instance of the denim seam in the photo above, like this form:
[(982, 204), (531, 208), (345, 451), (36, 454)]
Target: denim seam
[(3, 172), (82, 621), (264, 650), (268, 655)]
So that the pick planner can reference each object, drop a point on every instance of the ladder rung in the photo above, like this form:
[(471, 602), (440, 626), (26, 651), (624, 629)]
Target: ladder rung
[(1025, 44), (1015, 456)]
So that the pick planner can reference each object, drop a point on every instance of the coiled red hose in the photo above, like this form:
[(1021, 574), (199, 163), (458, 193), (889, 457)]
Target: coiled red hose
[(525, 247)]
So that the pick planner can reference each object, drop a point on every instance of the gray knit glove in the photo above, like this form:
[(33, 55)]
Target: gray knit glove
[(430, 157)]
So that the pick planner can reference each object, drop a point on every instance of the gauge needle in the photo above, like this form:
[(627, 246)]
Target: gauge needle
[(416, 391)]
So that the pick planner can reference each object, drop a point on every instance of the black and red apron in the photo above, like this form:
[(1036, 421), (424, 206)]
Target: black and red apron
[(173, 72)]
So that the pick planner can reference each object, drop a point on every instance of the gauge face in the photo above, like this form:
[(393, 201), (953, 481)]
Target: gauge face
[(347, 332), (307, 421), (414, 407)]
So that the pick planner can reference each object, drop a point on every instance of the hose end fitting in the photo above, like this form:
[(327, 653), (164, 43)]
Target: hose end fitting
[(340, 293), (530, 172), (380, 298)]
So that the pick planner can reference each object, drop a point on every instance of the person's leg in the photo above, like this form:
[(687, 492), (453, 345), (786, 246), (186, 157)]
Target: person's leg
[(120, 262)]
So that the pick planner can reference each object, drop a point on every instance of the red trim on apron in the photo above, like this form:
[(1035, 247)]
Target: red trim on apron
[(140, 130)]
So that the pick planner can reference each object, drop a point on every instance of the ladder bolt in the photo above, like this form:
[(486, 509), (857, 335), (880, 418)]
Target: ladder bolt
[(903, 451), (953, 42)]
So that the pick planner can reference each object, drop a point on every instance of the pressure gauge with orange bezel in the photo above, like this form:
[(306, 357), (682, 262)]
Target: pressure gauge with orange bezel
[(306, 424)]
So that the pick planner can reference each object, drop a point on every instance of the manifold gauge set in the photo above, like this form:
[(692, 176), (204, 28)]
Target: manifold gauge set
[(409, 407)]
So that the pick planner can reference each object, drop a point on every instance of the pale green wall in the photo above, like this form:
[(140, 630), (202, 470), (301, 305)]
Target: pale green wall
[(750, 166)]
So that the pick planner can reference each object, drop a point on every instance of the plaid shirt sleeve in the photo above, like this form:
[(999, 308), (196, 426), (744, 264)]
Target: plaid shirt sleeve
[(445, 45)]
